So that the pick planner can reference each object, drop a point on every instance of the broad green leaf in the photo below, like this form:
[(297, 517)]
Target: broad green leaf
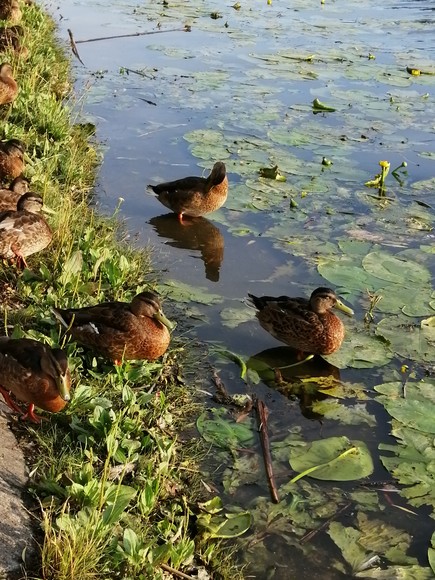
[(335, 459), (218, 428), (117, 499), (395, 269)]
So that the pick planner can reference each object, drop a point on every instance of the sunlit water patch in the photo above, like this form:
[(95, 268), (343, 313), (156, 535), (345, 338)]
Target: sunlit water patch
[(242, 87)]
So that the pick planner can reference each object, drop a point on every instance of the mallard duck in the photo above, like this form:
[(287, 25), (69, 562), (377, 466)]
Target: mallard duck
[(195, 196), (10, 39), (8, 85), (305, 325), (10, 10), (120, 330), (24, 232), (9, 197), (11, 158), (34, 373)]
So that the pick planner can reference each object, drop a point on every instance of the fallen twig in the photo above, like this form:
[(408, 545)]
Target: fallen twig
[(175, 572), (310, 535), (262, 413), (185, 28)]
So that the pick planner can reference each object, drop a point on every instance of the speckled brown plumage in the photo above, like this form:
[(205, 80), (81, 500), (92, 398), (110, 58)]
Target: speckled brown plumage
[(11, 159), (10, 10), (24, 232), (10, 197), (306, 325), (8, 85), (35, 374), (120, 330), (195, 196), (10, 39)]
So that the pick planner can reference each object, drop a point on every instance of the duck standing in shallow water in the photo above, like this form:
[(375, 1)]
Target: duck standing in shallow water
[(35, 374), (11, 158), (120, 330), (305, 325), (195, 196), (8, 85), (9, 197), (24, 232)]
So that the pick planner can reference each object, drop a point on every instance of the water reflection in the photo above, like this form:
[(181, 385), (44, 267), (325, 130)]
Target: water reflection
[(194, 234), (273, 367)]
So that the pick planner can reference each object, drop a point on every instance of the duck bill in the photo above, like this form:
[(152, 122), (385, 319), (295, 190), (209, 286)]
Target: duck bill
[(339, 304), (163, 320), (48, 210), (62, 383)]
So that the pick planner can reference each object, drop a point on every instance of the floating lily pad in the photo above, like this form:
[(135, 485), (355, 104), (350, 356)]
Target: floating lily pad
[(406, 338), (395, 269), (335, 459), (360, 350)]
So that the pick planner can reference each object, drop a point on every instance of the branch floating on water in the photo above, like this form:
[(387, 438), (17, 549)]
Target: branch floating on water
[(261, 409)]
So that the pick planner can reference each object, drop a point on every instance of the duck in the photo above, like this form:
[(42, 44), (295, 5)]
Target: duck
[(194, 196), (8, 85), (307, 325), (33, 373), (10, 39), (10, 10), (9, 196), (11, 158), (24, 232), (120, 330)]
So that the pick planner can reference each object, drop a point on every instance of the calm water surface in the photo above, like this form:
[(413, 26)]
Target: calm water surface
[(238, 75)]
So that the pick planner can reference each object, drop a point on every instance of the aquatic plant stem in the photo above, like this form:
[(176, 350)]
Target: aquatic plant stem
[(261, 410), (310, 535)]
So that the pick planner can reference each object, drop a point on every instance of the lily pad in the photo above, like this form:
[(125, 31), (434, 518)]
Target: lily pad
[(395, 269), (334, 459)]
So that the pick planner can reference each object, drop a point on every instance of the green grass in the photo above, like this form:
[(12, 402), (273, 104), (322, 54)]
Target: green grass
[(113, 481)]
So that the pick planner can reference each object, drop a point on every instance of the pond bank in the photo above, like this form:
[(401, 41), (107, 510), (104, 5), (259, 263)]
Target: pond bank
[(114, 483)]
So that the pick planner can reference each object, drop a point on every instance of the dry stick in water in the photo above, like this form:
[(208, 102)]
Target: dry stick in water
[(262, 413), (74, 43), (310, 535)]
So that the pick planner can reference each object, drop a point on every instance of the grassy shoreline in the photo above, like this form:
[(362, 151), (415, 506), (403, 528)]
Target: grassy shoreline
[(115, 484)]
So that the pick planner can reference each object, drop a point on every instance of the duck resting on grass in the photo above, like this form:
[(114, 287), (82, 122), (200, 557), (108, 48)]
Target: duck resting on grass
[(11, 158), (24, 232), (8, 85), (35, 374), (307, 325), (9, 196), (120, 330), (10, 10), (194, 196)]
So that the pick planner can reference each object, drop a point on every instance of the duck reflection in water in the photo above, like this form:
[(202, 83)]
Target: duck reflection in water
[(275, 368), (194, 234)]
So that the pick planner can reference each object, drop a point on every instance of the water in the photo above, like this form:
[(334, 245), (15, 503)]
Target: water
[(248, 77)]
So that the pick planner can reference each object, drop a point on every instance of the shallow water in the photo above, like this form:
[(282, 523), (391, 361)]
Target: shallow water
[(246, 79)]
